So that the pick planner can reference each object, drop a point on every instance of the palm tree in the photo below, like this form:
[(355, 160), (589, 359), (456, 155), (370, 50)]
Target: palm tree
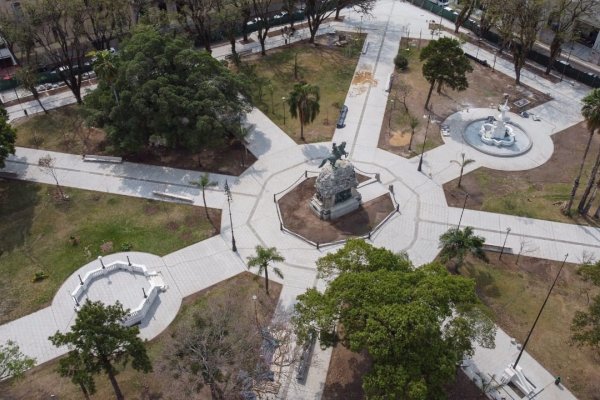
[(105, 68), (304, 104), (462, 163), (591, 113), (29, 78), (203, 183), (265, 255), (456, 243)]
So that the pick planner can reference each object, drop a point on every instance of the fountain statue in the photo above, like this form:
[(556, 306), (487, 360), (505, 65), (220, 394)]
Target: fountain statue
[(496, 131), (336, 193)]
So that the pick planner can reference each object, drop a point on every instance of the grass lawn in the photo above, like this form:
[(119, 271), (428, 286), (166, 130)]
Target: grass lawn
[(485, 88), (329, 67), (64, 130), (36, 233), (535, 193), (515, 294), (43, 381)]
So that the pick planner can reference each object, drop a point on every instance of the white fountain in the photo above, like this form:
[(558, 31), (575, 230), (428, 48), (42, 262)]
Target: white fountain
[(496, 131)]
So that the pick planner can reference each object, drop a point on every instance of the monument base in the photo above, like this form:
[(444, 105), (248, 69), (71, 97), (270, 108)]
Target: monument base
[(335, 211)]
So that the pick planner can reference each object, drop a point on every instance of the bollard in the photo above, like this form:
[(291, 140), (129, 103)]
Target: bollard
[(377, 177), (274, 198), (144, 291), (317, 245), (280, 226), (369, 235), (305, 173), (80, 281), (101, 262), (391, 188), (128, 262), (397, 207)]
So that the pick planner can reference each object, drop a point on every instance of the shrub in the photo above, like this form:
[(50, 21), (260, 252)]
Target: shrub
[(126, 246), (401, 62), (39, 276)]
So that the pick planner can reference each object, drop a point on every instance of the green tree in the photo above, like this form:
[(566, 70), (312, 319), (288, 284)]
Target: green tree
[(105, 67), (8, 135), (13, 363), (203, 183), (198, 16), (417, 324), (99, 341), (29, 79), (445, 64), (71, 366), (465, 13), (462, 163), (167, 88), (106, 20), (264, 256), (529, 20), (304, 104), (591, 113), (456, 243)]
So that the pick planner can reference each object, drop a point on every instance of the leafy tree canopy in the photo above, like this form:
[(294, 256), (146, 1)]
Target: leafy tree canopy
[(13, 363), (167, 88), (98, 341), (416, 323), (8, 136)]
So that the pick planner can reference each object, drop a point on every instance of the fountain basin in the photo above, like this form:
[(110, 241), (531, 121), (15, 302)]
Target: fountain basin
[(516, 143)]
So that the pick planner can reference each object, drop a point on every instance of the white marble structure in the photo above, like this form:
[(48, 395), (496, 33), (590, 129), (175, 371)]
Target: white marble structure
[(336, 193), (497, 132)]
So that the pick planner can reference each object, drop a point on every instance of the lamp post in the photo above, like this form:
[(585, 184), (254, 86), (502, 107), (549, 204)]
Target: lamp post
[(504, 244), (428, 116), (283, 104), (567, 62), (254, 300), (540, 313), (229, 199), (463, 210), (390, 117)]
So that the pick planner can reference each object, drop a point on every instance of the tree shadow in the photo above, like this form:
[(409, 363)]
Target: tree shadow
[(18, 201)]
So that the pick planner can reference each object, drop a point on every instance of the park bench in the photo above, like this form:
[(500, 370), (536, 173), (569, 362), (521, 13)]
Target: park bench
[(104, 159), (173, 196), (497, 249), (8, 174), (365, 48), (342, 117)]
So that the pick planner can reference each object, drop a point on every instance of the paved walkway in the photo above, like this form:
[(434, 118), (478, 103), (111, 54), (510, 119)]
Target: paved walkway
[(423, 214)]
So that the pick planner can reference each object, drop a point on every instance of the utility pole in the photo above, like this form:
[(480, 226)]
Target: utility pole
[(229, 200)]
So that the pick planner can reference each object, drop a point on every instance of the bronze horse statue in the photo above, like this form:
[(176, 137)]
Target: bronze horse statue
[(336, 154)]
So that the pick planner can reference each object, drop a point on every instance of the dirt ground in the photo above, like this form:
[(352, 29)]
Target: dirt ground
[(299, 218), (346, 369), (535, 193), (44, 383), (486, 88), (64, 130), (514, 293)]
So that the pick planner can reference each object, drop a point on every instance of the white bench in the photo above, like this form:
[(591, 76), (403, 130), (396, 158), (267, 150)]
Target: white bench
[(173, 196), (106, 159)]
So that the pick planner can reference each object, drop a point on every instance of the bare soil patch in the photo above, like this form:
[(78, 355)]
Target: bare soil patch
[(486, 88), (43, 382), (515, 292), (346, 369), (535, 193), (299, 218), (65, 130)]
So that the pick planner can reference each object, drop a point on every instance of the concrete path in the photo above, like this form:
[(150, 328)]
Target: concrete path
[(422, 217)]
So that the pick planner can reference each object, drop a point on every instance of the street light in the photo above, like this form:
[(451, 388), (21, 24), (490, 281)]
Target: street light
[(504, 244), (283, 103), (428, 116), (567, 62), (540, 313), (229, 199)]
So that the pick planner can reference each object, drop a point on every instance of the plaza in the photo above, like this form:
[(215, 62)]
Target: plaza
[(423, 214)]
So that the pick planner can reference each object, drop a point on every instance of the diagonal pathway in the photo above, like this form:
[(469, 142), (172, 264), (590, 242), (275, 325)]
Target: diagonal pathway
[(423, 214)]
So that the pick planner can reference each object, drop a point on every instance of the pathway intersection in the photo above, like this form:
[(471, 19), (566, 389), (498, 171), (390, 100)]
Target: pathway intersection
[(423, 215)]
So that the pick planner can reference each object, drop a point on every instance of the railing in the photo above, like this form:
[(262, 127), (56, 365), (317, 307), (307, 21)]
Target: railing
[(304, 176), (137, 314)]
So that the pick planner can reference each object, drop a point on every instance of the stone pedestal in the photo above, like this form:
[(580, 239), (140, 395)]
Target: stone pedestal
[(336, 193)]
